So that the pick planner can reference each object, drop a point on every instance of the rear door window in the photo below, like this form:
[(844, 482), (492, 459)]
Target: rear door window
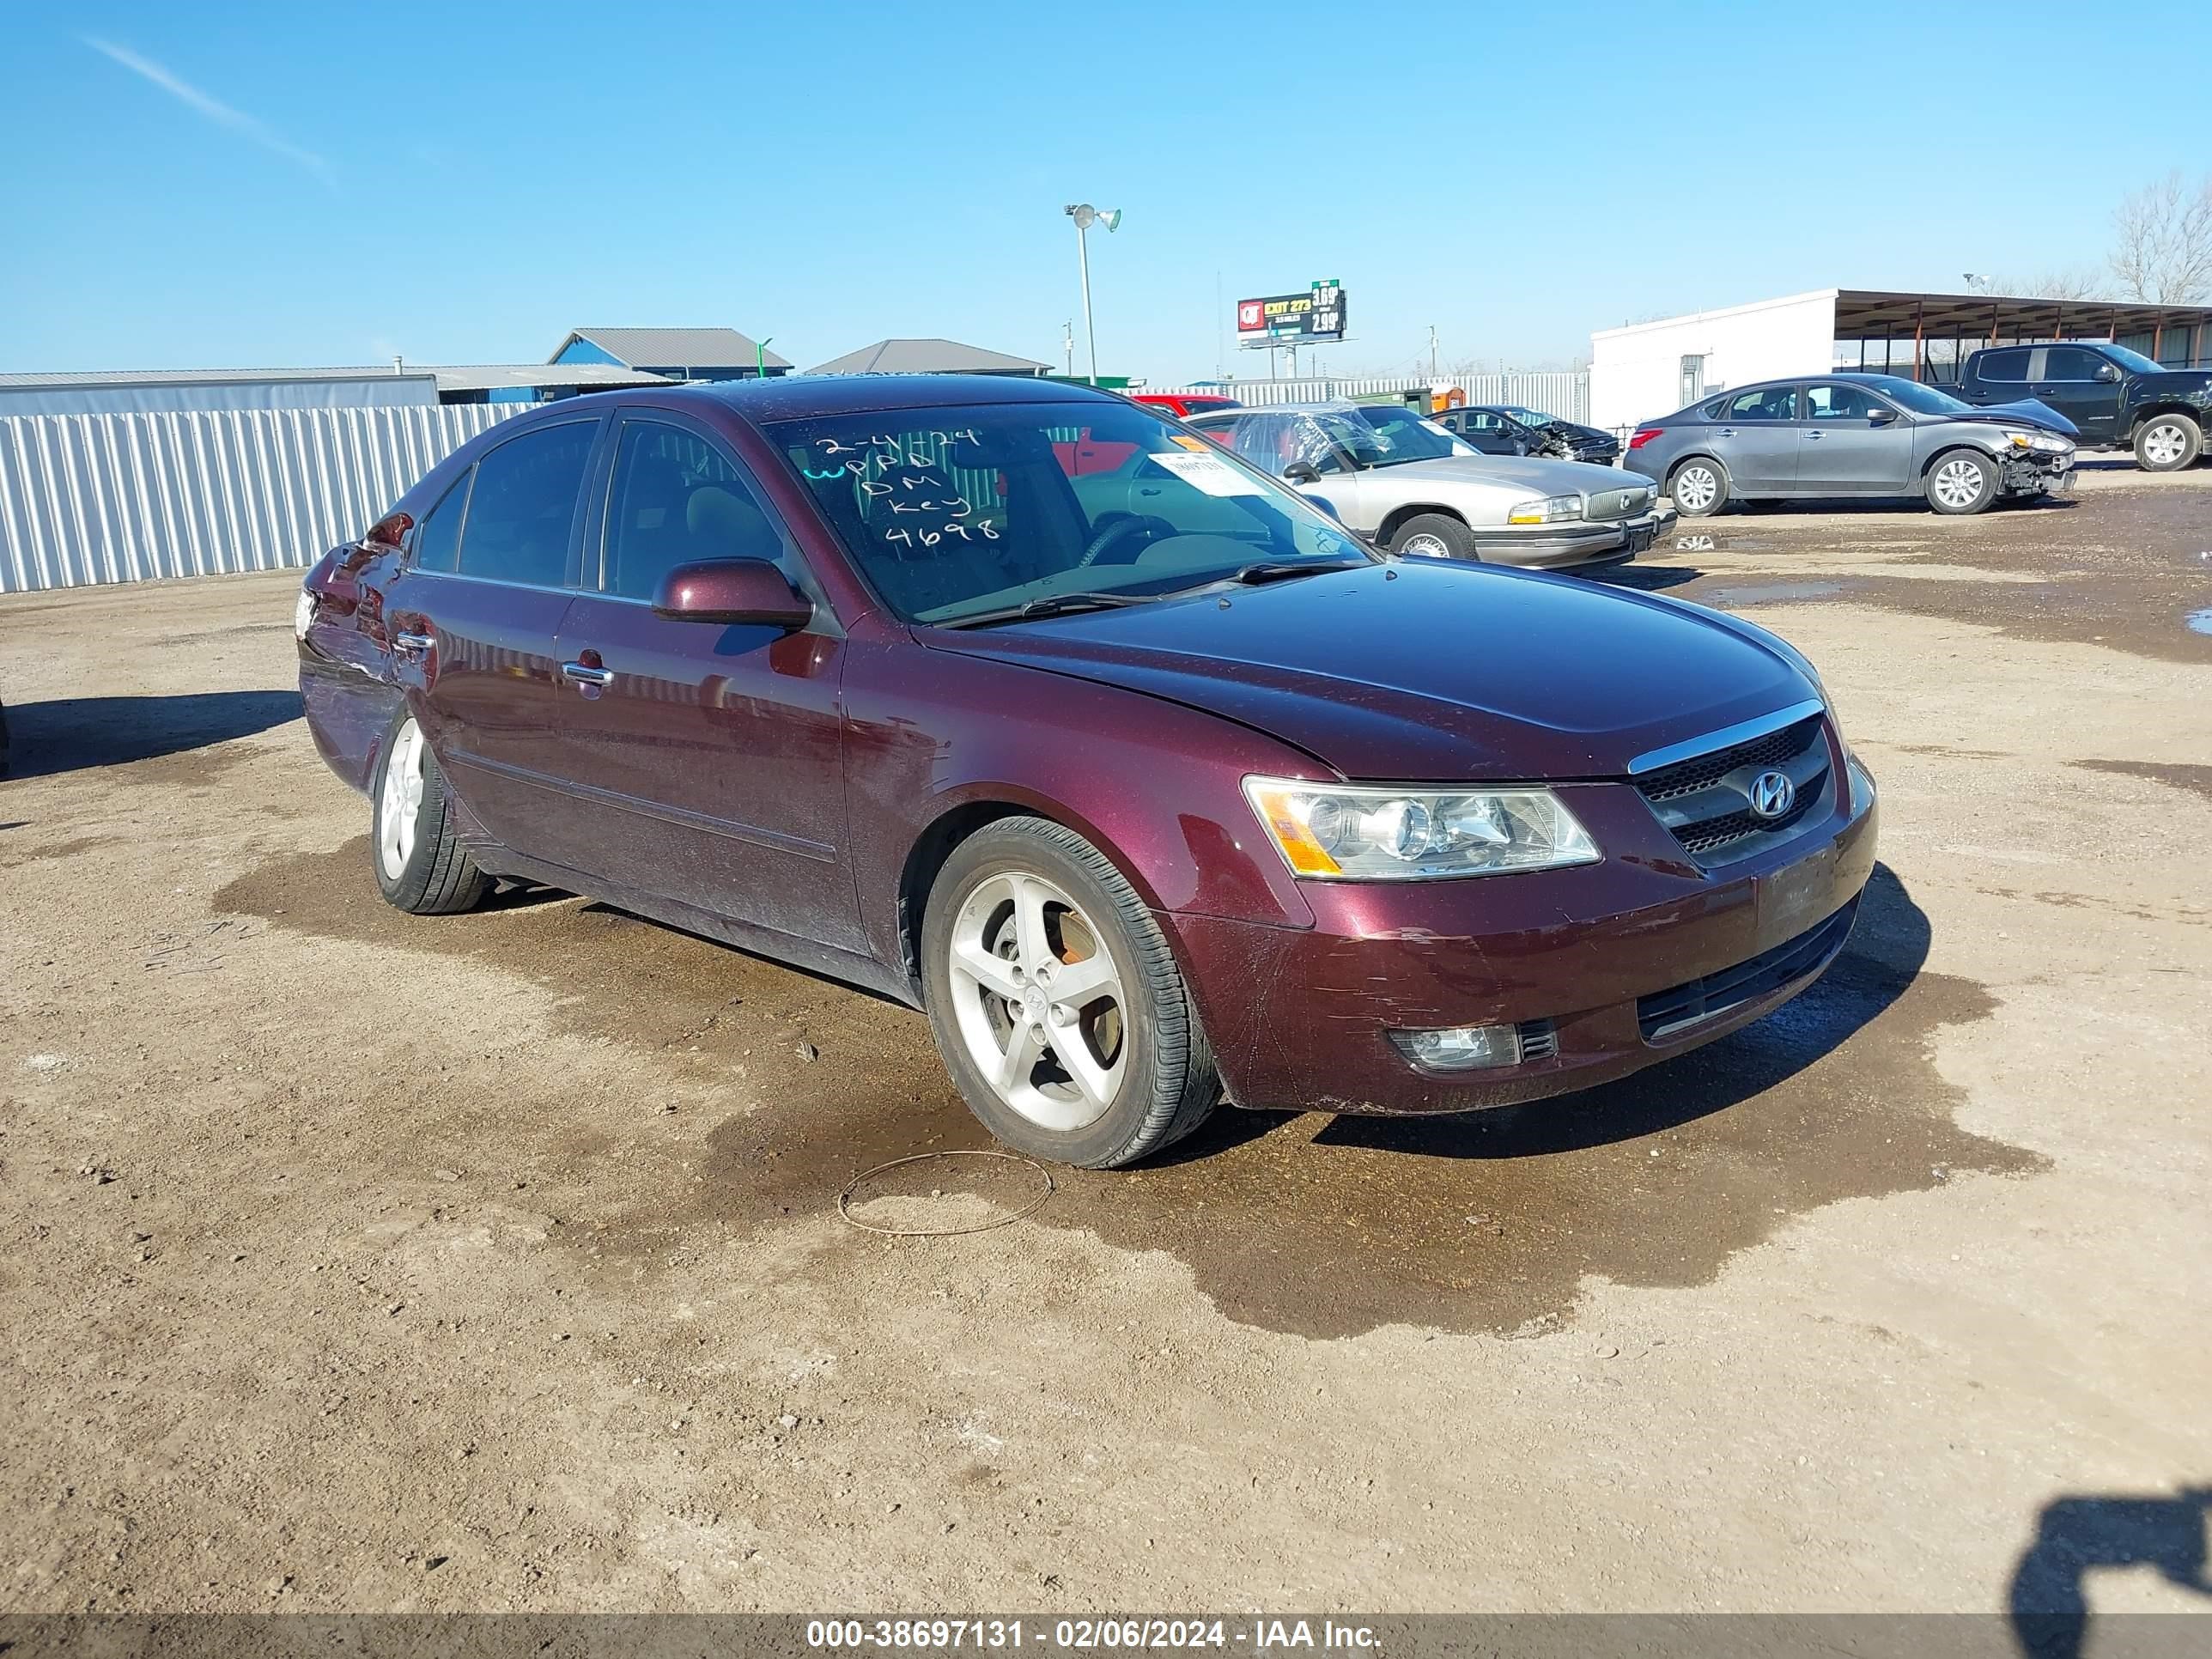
[(438, 542), (676, 498), (2008, 364), (1772, 402), (522, 508)]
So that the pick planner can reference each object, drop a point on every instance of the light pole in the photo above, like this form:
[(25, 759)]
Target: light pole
[(1086, 216)]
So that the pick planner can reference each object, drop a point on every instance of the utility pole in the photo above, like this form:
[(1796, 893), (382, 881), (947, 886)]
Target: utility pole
[(1432, 351)]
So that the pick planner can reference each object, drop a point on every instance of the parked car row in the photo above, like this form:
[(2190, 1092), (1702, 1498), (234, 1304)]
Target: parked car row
[(1106, 747), (1401, 480)]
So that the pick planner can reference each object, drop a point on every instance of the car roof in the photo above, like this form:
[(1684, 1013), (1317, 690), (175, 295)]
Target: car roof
[(805, 396)]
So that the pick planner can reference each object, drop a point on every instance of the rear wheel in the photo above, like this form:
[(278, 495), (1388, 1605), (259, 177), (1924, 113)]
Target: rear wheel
[(1055, 1002), (419, 866), (2167, 443), (1964, 481), (1698, 487), (1434, 536)]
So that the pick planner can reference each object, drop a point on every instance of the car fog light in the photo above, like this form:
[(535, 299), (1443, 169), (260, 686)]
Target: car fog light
[(1460, 1047)]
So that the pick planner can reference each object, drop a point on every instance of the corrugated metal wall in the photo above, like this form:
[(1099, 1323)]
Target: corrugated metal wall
[(1564, 394), (124, 498)]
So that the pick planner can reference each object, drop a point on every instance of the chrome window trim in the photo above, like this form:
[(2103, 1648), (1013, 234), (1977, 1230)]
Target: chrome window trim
[(1727, 737)]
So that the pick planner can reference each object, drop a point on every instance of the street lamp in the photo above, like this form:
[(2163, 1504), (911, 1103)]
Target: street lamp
[(1978, 284), (1086, 216)]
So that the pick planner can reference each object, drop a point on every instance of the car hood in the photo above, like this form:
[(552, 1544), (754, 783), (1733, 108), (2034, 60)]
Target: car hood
[(1423, 670), (1524, 475), (2025, 411)]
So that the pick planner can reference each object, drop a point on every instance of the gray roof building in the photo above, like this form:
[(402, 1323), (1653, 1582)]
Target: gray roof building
[(676, 354), (154, 391), (929, 356)]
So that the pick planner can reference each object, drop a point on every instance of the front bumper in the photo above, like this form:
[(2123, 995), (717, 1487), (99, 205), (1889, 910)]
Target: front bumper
[(1620, 964), (1555, 547), (2036, 475)]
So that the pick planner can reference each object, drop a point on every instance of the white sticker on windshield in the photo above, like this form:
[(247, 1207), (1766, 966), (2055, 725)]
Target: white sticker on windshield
[(1207, 472)]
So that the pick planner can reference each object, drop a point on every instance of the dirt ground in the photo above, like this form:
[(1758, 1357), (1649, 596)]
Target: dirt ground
[(353, 1261)]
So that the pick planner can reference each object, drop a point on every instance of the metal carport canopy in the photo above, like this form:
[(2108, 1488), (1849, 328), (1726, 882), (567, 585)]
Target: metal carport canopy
[(1871, 313)]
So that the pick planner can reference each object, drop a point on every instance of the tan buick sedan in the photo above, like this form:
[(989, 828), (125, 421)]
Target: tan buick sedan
[(1407, 485)]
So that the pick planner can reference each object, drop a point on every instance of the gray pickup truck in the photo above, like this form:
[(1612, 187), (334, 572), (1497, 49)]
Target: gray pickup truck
[(2116, 398)]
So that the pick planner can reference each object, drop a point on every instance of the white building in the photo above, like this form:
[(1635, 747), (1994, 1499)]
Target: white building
[(1649, 369)]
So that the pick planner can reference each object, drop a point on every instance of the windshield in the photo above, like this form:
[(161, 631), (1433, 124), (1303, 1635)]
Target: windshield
[(956, 512), (2134, 361), (1395, 434), (1920, 399)]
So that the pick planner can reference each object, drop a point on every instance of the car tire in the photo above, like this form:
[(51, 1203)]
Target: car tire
[(420, 865), (1433, 536), (2168, 443), (1706, 483), (1108, 1080), (1961, 481)]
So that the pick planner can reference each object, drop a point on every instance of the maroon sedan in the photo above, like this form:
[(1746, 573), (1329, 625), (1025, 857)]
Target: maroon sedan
[(1151, 784)]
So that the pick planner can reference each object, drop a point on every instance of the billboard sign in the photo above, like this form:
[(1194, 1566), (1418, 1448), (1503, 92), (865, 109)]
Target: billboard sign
[(1283, 320)]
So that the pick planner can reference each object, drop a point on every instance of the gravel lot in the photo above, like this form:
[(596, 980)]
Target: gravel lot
[(353, 1261)]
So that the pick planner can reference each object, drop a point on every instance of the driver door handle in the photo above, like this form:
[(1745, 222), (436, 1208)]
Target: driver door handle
[(585, 674), (1728, 432)]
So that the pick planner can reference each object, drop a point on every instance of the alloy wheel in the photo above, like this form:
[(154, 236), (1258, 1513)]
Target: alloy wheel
[(1695, 487), (400, 805), (2163, 445), (1038, 1000), (1957, 482)]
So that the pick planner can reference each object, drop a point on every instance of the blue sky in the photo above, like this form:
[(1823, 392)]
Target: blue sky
[(286, 185)]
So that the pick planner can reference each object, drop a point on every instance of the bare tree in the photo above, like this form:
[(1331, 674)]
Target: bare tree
[(2162, 236), (2076, 284)]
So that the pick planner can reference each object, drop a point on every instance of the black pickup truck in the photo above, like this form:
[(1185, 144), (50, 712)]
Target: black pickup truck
[(2118, 398)]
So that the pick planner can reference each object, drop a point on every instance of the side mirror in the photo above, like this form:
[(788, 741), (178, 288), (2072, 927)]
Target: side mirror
[(733, 590), (1302, 472), (1880, 415), (2108, 371)]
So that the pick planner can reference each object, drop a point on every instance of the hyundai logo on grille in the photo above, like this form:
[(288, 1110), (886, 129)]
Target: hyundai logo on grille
[(1772, 794)]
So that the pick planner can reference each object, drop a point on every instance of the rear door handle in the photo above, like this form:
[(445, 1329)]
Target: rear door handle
[(1728, 432), (1814, 437), (585, 674), (415, 643)]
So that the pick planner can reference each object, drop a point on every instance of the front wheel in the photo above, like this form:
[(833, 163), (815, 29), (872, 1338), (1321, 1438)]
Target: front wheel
[(1433, 536), (1699, 488), (1964, 481), (420, 865), (1055, 1002), (2168, 443)]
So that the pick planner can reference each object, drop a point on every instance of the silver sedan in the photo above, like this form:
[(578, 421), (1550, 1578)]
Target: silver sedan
[(1407, 484)]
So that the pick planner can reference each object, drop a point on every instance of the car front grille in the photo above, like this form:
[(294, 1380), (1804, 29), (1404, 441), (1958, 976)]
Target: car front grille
[(1670, 1012), (1706, 801), (1604, 504)]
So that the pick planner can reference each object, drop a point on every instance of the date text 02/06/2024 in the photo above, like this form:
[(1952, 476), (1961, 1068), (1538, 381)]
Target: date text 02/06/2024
[(1083, 1635)]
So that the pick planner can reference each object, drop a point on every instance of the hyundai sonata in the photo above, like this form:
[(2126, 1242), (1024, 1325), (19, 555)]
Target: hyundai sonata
[(1151, 798)]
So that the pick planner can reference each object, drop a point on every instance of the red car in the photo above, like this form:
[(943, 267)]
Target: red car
[(1151, 785), (1186, 403)]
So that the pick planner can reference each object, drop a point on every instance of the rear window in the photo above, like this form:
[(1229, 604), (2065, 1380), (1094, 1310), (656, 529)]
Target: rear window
[(2009, 364), (523, 505)]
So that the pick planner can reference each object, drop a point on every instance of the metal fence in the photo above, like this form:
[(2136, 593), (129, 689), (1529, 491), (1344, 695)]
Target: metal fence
[(1562, 393), (125, 498)]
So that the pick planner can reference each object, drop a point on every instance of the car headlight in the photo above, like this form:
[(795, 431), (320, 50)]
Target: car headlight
[(1383, 832), (2049, 445), (303, 613), (1550, 510)]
